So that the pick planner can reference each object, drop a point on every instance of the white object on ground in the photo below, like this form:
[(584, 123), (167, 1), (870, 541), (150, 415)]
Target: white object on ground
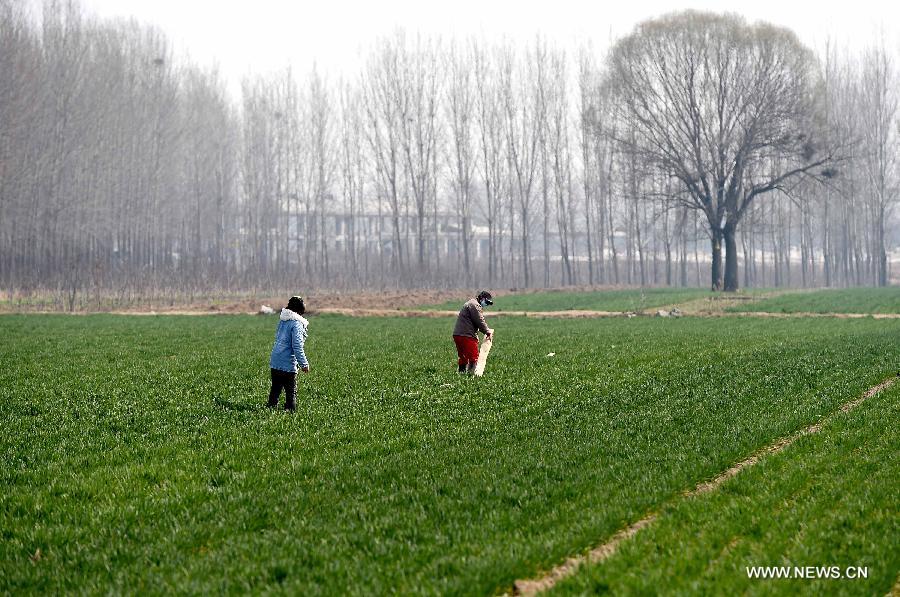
[(483, 354), (266, 310), (551, 354)]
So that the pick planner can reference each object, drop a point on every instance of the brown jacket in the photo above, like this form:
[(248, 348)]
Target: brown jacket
[(470, 320)]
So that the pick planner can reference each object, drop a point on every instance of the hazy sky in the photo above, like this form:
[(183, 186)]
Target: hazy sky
[(260, 36)]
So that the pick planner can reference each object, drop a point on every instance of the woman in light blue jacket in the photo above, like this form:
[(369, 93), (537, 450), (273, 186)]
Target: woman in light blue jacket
[(287, 353)]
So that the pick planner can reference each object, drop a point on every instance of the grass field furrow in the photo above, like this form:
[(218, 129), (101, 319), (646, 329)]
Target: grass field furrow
[(827, 501), (601, 552)]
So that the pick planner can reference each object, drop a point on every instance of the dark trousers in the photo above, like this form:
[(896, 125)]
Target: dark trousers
[(288, 381)]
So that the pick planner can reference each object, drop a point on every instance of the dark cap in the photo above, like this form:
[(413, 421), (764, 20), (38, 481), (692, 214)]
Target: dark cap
[(487, 296), (296, 305)]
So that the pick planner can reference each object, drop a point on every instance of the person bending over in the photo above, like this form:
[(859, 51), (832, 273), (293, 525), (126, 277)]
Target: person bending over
[(469, 322)]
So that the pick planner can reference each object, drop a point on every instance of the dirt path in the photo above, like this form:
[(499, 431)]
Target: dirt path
[(410, 303), (387, 299), (605, 550)]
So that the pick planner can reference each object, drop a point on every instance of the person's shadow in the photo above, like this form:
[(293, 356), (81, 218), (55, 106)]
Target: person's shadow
[(241, 407)]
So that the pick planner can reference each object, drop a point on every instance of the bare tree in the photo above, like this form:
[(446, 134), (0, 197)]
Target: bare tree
[(524, 89), (321, 147), (386, 115), (879, 99), (559, 150), (460, 106), (353, 166), (417, 88), (589, 114), (492, 149), (724, 107)]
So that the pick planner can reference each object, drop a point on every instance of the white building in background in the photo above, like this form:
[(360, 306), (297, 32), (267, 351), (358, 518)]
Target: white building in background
[(374, 232)]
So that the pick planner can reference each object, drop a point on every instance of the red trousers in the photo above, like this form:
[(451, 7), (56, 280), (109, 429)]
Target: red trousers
[(467, 349)]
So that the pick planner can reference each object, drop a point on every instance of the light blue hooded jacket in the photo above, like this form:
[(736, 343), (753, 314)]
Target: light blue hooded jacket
[(287, 353)]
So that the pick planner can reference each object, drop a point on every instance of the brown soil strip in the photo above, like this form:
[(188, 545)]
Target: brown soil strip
[(598, 554), (602, 552), (895, 590), (781, 444), (251, 302)]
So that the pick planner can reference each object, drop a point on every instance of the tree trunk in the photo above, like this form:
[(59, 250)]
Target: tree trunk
[(882, 251), (716, 278), (731, 258)]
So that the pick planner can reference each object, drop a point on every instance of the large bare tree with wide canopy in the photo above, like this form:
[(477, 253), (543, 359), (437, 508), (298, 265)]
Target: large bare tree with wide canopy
[(728, 109)]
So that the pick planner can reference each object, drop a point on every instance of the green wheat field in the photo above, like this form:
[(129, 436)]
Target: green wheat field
[(138, 456)]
